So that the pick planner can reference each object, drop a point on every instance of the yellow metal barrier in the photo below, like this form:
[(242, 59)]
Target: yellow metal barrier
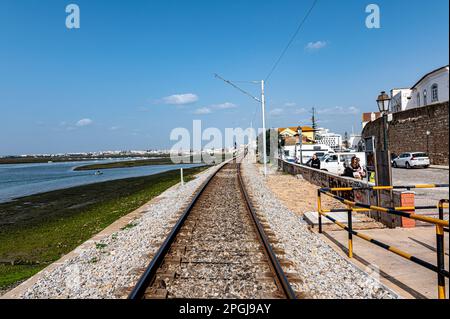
[(440, 224)]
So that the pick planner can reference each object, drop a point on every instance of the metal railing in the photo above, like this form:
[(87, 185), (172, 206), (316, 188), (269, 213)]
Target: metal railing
[(442, 226)]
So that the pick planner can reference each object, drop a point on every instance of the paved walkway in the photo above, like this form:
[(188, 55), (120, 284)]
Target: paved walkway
[(403, 276), (439, 167), (431, 196)]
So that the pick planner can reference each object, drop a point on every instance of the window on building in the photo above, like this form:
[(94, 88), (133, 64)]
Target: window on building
[(425, 99), (434, 93), (418, 99)]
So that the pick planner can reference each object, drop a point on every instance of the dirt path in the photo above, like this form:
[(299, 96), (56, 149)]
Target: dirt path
[(300, 196)]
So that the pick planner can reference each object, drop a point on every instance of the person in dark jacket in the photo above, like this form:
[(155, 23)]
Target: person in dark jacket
[(314, 162)]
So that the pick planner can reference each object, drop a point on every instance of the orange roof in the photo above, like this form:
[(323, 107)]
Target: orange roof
[(367, 117), (294, 128)]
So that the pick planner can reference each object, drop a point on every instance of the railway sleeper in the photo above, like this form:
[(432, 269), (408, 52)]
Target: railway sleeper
[(293, 277), (156, 294)]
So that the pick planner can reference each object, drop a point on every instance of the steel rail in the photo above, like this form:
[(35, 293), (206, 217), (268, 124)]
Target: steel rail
[(281, 276), (145, 280), (140, 288)]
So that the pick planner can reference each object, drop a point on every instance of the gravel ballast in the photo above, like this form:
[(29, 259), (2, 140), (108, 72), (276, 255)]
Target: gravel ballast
[(107, 268), (323, 272)]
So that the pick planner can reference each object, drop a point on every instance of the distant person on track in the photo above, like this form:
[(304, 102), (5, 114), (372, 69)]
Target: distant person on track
[(354, 170), (314, 162)]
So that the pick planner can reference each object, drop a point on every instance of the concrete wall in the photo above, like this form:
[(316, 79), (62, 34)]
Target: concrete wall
[(326, 179), (407, 132)]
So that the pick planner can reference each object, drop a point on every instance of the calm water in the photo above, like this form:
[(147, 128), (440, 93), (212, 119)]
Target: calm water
[(26, 179)]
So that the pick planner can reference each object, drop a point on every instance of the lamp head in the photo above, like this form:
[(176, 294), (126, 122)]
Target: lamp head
[(383, 102)]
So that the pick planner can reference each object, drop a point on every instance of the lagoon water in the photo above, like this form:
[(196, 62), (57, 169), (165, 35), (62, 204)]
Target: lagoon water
[(19, 180)]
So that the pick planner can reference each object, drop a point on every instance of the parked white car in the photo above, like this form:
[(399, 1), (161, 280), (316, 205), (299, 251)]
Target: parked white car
[(334, 163), (410, 160)]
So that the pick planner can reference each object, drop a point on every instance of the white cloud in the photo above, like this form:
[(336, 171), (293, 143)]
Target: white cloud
[(353, 110), (276, 112), (224, 106), (180, 99), (300, 111), (316, 45), (84, 122), (290, 104), (339, 110), (203, 111), (114, 128), (209, 109)]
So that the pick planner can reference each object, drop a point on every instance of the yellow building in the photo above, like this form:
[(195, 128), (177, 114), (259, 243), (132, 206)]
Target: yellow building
[(307, 132)]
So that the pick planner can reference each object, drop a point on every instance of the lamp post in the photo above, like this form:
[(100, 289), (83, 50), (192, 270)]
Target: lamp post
[(383, 102), (280, 147), (428, 142), (384, 161), (300, 143), (261, 100)]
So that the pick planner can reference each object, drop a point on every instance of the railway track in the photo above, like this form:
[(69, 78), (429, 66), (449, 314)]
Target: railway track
[(217, 249)]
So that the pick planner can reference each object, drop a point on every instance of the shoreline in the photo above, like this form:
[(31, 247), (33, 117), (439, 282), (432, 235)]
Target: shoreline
[(140, 163), (37, 230), (46, 159), (126, 164), (19, 194)]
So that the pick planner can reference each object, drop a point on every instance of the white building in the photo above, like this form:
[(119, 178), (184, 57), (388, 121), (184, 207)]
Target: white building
[(333, 140), (432, 88), (400, 99), (353, 141)]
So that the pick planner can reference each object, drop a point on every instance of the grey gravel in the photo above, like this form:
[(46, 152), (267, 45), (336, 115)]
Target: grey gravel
[(323, 272), (108, 267)]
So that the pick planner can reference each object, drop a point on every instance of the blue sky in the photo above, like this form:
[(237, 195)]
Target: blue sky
[(120, 81)]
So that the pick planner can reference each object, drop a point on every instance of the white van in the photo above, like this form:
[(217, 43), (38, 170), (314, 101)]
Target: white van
[(292, 152), (334, 163)]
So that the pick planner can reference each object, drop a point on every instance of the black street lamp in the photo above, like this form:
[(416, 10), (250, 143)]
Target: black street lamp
[(383, 102), (300, 142), (384, 165)]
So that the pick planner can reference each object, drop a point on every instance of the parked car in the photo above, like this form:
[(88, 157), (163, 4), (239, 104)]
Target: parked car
[(335, 163), (393, 157), (413, 159)]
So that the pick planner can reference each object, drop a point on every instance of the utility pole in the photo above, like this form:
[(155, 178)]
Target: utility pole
[(263, 106), (314, 123), (261, 100)]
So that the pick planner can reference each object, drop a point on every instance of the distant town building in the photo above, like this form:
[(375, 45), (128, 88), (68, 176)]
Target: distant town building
[(369, 117), (432, 88), (353, 141), (333, 140), (400, 99), (290, 134)]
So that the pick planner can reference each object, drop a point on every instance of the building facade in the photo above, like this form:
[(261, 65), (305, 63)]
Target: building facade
[(333, 140), (307, 132), (432, 88), (369, 117)]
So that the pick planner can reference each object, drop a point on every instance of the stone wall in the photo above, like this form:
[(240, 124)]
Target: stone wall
[(408, 132), (326, 179)]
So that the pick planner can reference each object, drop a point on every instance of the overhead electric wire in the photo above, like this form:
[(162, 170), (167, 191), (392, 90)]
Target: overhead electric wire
[(242, 90), (238, 88), (291, 40)]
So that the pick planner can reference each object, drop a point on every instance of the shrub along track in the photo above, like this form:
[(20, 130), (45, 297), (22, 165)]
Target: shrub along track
[(219, 248)]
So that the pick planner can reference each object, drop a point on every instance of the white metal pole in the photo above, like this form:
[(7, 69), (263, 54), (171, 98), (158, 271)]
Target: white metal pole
[(181, 176), (263, 106)]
